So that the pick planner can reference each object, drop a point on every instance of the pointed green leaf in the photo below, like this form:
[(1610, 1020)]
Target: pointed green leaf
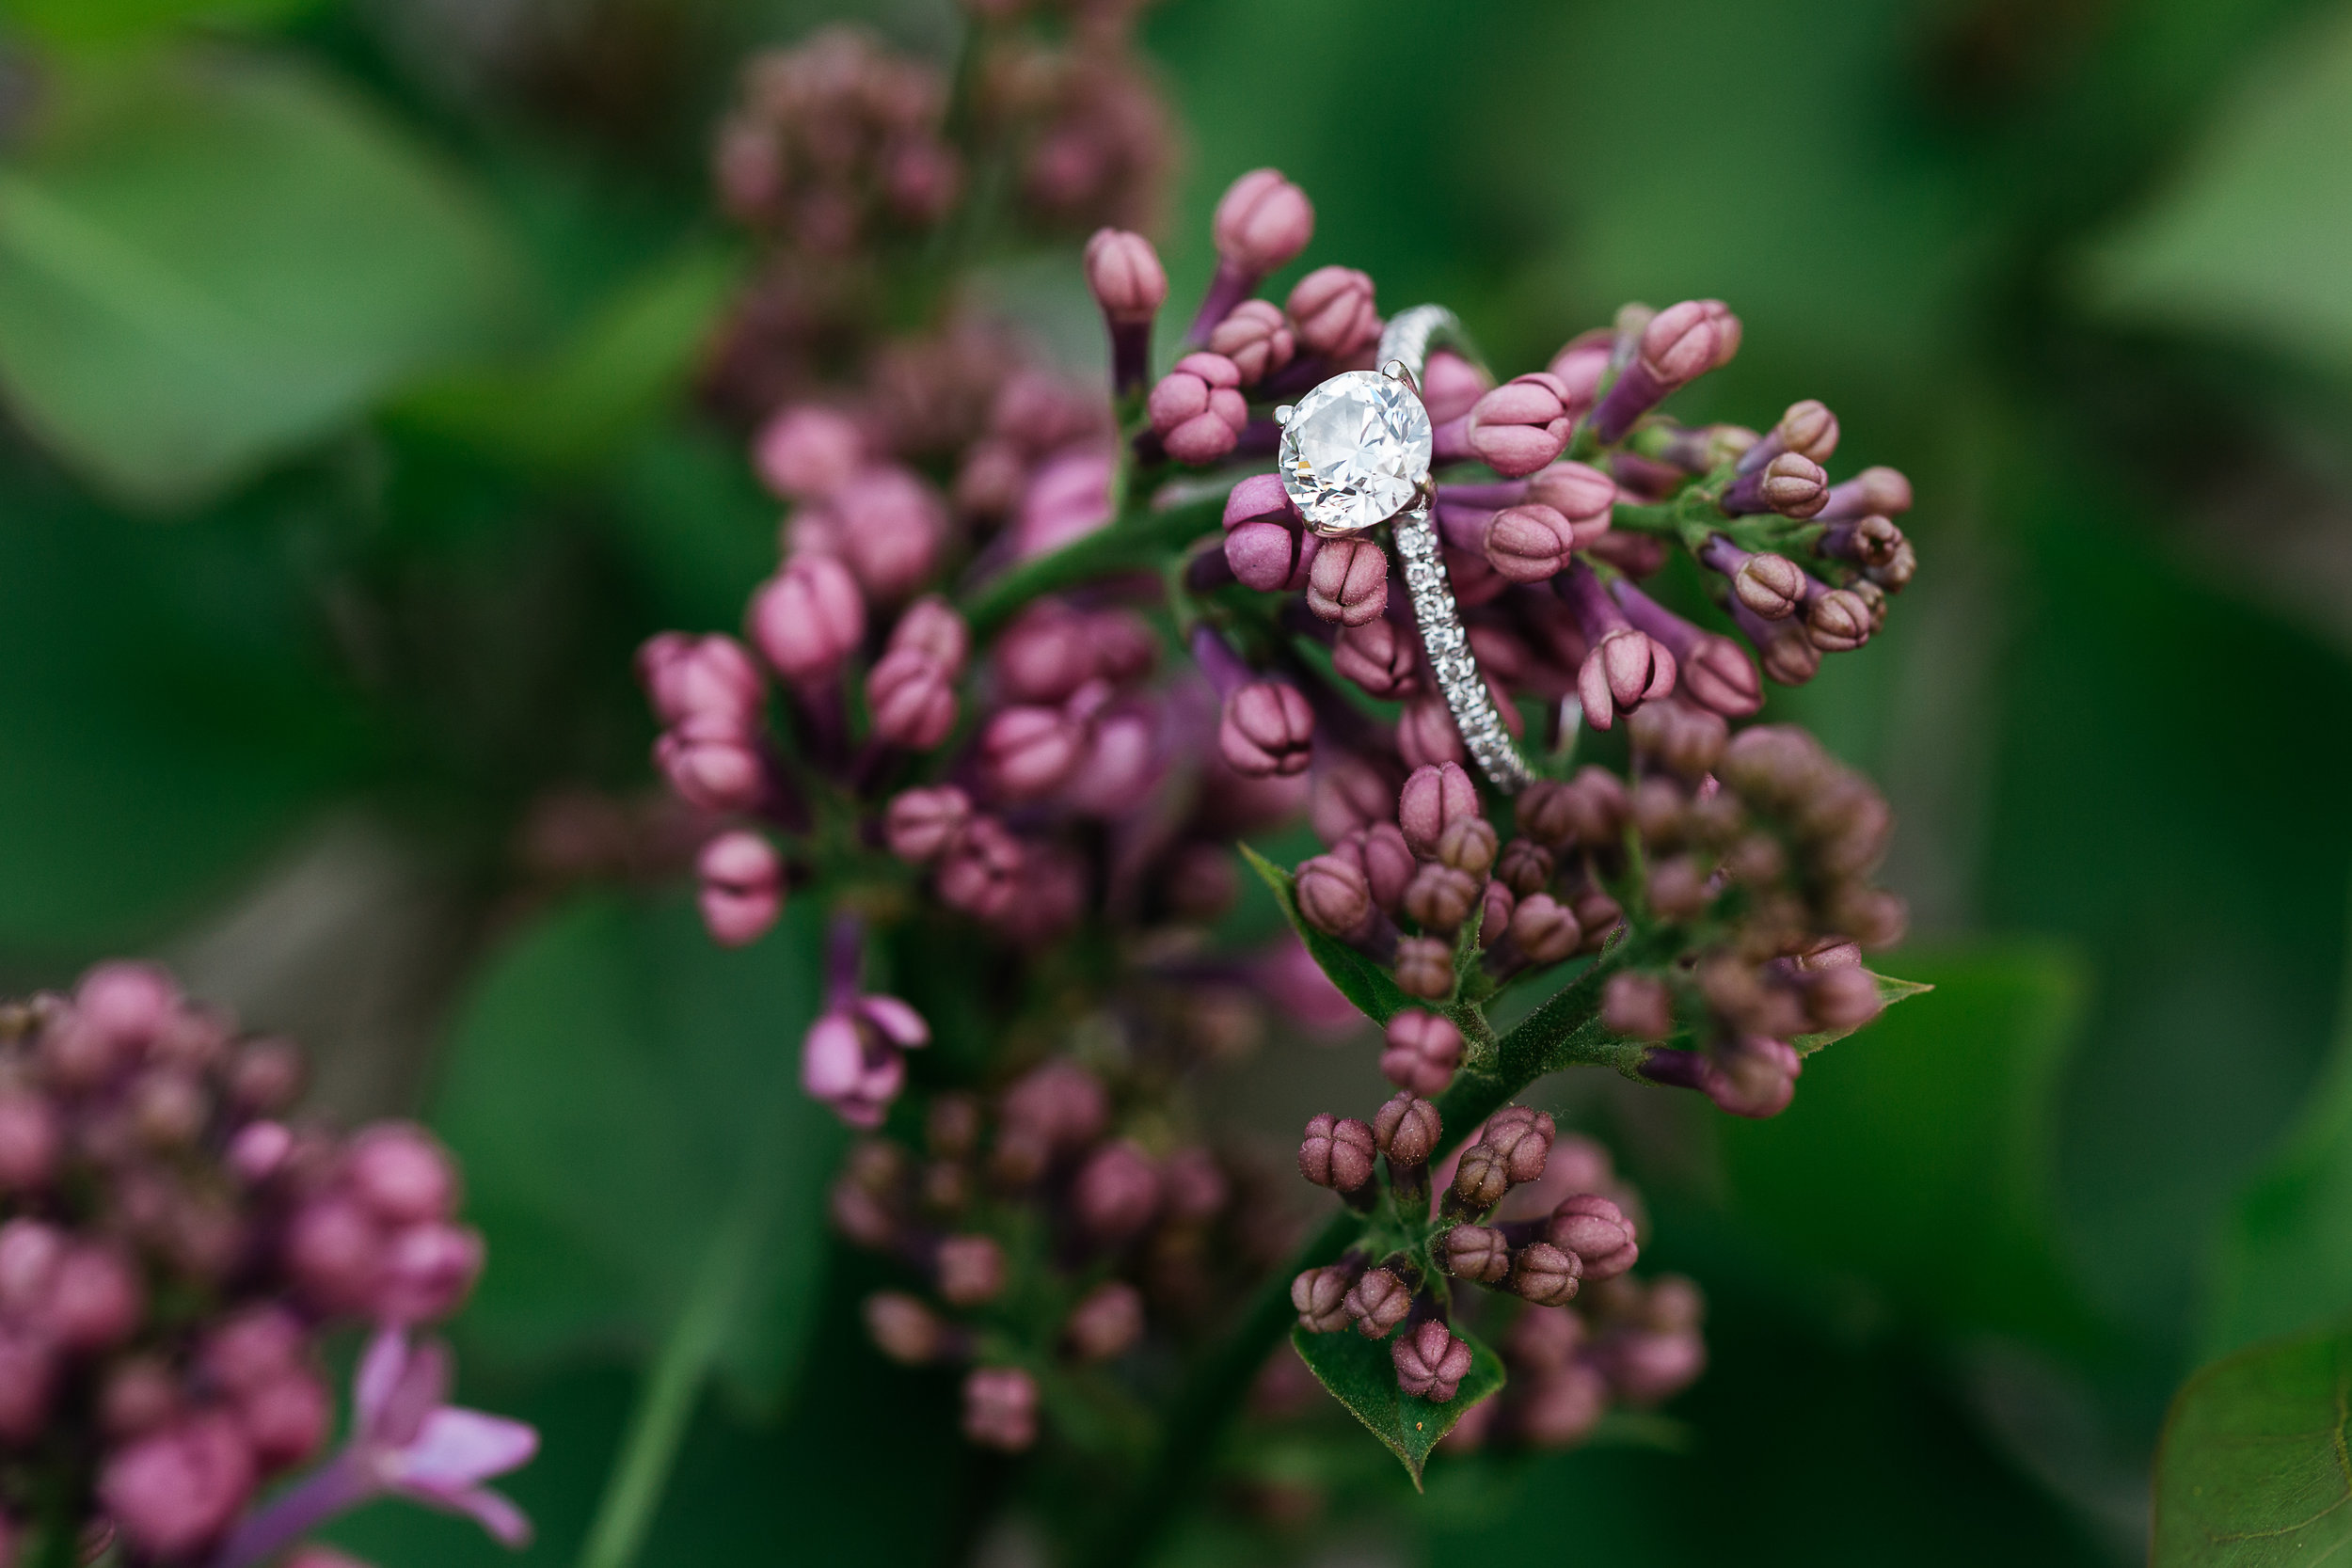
[(1372, 987), (1361, 1375), (1891, 990), (2254, 1468)]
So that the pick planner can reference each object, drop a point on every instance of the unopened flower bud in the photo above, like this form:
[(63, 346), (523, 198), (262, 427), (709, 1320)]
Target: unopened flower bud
[(1474, 1252), (29, 1136), (1257, 338), (1348, 581), (1378, 1303), (95, 1299), (1525, 866), (1639, 1006), (174, 1492), (1267, 730), (1562, 1406), (1842, 999), (743, 887), (1882, 491), (1597, 1232), (1124, 276), (1467, 844), (1379, 656), (1332, 312), (805, 452), (1771, 585), (1106, 1323), (1521, 425), (1545, 931), (1000, 1408), (1481, 1178), (921, 824), (807, 618), (1027, 753), (912, 699), (1196, 409), (1838, 621), (1262, 222), (427, 1271), (1423, 1052), (1440, 899), (1521, 1138), (1321, 1296), (28, 1377), (904, 1329), (1433, 800), (1647, 1368), (1424, 968), (971, 1270), (1336, 1152), (1407, 1127), (886, 525), (1333, 894), (1116, 1192), (1431, 1362), (1546, 1274), (1527, 543), (1624, 669)]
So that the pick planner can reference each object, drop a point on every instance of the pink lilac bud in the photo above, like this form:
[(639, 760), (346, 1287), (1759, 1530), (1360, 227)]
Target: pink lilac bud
[(1433, 800), (1639, 1006), (1450, 386), (1424, 968), (1196, 409), (1027, 753), (1000, 1408), (1332, 312), (30, 1251), (1265, 542), (922, 824), (1350, 792), (1836, 619), (1321, 1296), (428, 1270), (1263, 221), (174, 1493), (1124, 275), (1791, 485), (28, 1376), (1046, 654), (1267, 729), (806, 453), (95, 1299), (1440, 899), (1348, 581), (29, 1139), (1543, 930), (1647, 1368), (140, 1393), (1521, 425), (1106, 1323), (708, 683), (286, 1419), (1809, 429), (1474, 1252), (1336, 1152), (1378, 1303), (1882, 491), (1771, 586), (1625, 669), (980, 875), (742, 890), (1522, 1139), (930, 626), (1066, 499), (1546, 1274), (903, 1329), (913, 700), (1120, 766), (1527, 543), (129, 1004), (1116, 1192), (1597, 1232), (1756, 1077), (1407, 1128), (1711, 671), (402, 1173), (1378, 655), (1333, 894), (807, 618), (1257, 338), (1680, 344), (1468, 844), (1060, 1103), (887, 527), (1424, 1050), (1562, 1406), (253, 1347), (1389, 864), (1580, 365), (971, 1270), (334, 1250), (1431, 1362), (713, 775)]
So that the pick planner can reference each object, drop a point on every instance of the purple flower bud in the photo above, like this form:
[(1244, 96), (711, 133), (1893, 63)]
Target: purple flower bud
[(1431, 1362), (130, 1004), (1120, 766), (1321, 1297), (1581, 363), (1521, 425), (28, 1376), (807, 618), (335, 1251), (1262, 222), (912, 698), (1526, 867), (1809, 429), (1837, 620), (742, 890), (886, 526), (1842, 999), (29, 1139), (1679, 344), (1522, 1139), (1348, 581), (921, 824), (1481, 1178), (1625, 669), (806, 453), (1066, 498), (1379, 657), (708, 683), (930, 626), (1026, 754), (1378, 1303), (1000, 1408), (1116, 1192), (1423, 1050), (1196, 409), (173, 1493), (254, 1346), (1124, 276), (1648, 1368), (714, 775), (1597, 1230), (1332, 312), (428, 1270), (1474, 1252), (1424, 968), (1267, 729), (1544, 931), (1467, 844), (903, 1329), (94, 1299), (286, 1419), (1882, 491), (1562, 1406), (1440, 899), (1433, 800), (1257, 338), (1106, 1323), (1336, 1153), (981, 871), (1389, 864), (140, 1393), (1333, 894), (1545, 1274), (971, 1270), (1754, 1077), (402, 1173), (1639, 1006)]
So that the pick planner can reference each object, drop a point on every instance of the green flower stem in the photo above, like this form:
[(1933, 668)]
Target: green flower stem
[(1138, 541), (714, 1303)]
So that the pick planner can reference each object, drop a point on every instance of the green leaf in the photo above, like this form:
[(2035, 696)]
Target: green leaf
[(618, 1088), (2254, 1468), (208, 261), (1920, 1155), (1362, 1374), (2249, 239), (624, 364), (97, 24), (1368, 984), (1891, 990)]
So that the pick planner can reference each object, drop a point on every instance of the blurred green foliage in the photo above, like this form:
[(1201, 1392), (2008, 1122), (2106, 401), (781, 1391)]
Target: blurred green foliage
[(347, 350)]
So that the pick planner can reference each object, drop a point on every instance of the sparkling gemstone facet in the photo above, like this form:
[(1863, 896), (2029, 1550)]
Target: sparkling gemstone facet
[(1355, 450)]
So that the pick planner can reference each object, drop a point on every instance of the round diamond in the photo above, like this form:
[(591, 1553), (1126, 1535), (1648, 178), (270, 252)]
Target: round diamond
[(1354, 452)]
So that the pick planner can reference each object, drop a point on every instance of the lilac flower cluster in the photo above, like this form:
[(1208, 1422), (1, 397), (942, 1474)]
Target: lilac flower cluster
[(172, 1253)]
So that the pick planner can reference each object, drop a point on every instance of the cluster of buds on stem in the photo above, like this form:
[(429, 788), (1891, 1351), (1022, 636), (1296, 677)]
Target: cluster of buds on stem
[(1035, 1198), (172, 1255)]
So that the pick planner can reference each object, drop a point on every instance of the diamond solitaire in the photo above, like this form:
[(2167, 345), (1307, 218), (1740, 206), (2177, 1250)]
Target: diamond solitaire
[(1354, 452)]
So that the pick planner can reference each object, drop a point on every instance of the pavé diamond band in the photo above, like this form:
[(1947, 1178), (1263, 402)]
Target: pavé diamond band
[(1355, 453)]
